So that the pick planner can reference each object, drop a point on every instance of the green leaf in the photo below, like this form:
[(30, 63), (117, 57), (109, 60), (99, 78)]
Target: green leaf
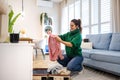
[(45, 16), (12, 20), (10, 29), (10, 15), (41, 17), (15, 18)]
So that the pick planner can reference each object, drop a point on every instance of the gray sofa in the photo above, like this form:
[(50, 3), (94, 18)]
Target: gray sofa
[(105, 54)]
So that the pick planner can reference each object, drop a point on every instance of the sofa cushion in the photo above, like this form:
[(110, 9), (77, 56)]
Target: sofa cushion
[(106, 56), (86, 45), (86, 52), (100, 41), (115, 42)]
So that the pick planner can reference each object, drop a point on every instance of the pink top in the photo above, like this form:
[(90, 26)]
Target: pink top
[(54, 48)]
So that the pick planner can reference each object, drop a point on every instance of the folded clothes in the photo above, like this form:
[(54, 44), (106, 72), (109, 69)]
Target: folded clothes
[(54, 69), (64, 71)]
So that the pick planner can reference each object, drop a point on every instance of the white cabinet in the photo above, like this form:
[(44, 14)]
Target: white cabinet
[(16, 61)]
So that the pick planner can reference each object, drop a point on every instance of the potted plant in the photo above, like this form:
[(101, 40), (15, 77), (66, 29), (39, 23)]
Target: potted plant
[(14, 37), (45, 20)]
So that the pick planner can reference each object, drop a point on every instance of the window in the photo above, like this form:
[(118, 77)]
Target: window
[(94, 17), (64, 22), (94, 14), (77, 9), (71, 12), (85, 12), (105, 16), (99, 16)]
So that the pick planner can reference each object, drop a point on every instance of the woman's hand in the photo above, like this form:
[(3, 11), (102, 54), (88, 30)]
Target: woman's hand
[(69, 44)]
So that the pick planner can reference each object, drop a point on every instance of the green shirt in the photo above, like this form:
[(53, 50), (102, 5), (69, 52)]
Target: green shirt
[(75, 38)]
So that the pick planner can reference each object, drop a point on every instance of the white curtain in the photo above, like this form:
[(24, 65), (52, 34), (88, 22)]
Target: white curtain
[(115, 15)]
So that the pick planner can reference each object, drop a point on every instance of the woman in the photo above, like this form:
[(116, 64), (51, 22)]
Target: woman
[(72, 41)]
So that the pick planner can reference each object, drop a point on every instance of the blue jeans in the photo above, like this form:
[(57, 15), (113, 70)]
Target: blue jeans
[(72, 64)]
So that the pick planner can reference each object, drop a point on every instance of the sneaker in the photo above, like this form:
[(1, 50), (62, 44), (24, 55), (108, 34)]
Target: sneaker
[(74, 73)]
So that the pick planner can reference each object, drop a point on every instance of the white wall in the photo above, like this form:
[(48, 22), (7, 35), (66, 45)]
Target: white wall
[(30, 22)]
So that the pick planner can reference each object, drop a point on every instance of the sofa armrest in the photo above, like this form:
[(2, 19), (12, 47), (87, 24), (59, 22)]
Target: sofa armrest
[(86, 45)]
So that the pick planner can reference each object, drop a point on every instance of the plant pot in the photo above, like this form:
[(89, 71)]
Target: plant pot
[(14, 37), (86, 40)]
